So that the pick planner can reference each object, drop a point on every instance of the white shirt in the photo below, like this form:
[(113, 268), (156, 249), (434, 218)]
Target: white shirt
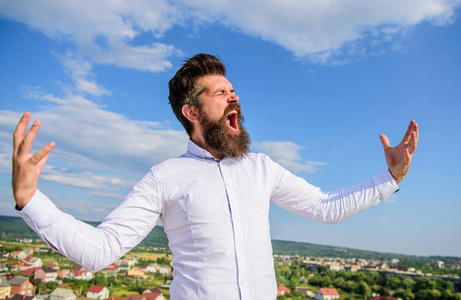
[(216, 216)]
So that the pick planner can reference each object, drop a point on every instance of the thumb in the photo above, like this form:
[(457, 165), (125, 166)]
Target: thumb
[(384, 141)]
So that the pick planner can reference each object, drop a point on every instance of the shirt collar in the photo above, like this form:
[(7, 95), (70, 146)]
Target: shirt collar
[(195, 150)]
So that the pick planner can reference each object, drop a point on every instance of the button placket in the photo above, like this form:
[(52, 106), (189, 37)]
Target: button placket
[(238, 233)]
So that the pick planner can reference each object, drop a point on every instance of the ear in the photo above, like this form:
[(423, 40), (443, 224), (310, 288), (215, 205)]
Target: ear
[(190, 112)]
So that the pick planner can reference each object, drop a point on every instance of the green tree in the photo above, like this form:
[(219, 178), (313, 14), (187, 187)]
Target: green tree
[(339, 283), (400, 293), (447, 294), (315, 280), (295, 295), (385, 291), (395, 282), (408, 283), (409, 294), (383, 281), (424, 283), (326, 281), (375, 288), (163, 260), (351, 286), (363, 289), (428, 294), (293, 282)]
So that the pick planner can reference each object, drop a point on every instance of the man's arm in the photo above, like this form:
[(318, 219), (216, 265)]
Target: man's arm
[(296, 195), (27, 167), (93, 248), (399, 158)]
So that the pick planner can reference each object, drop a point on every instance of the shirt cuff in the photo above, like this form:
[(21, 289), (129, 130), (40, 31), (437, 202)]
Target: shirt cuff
[(37, 211), (385, 184)]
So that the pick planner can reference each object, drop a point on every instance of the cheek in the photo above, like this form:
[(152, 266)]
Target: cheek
[(216, 113)]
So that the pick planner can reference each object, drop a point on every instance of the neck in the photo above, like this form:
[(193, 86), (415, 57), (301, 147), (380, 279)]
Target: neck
[(200, 141)]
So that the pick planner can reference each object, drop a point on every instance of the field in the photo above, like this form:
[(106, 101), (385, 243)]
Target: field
[(148, 256)]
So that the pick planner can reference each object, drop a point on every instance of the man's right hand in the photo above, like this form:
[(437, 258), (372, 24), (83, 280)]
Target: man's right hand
[(27, 167)]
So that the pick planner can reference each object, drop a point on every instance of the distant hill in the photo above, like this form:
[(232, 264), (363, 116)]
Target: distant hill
[(13, 228), (307, 249)]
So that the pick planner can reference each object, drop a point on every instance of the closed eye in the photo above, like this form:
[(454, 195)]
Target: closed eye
[(224, 91)]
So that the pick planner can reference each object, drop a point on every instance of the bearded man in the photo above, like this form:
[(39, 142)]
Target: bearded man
[(213, 200)]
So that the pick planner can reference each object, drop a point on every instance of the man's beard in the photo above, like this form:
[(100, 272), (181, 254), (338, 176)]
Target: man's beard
[(218, 136)]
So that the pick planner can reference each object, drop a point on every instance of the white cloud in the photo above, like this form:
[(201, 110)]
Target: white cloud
[(103, 30), (5, 162), (87, 180), (7, 202), (324, 31), (110, 195), (79, 70), (95, 149), (87, 135), (287, 154), (80, 208)]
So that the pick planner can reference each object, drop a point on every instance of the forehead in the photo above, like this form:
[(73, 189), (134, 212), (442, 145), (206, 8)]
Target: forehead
[(212, 83)]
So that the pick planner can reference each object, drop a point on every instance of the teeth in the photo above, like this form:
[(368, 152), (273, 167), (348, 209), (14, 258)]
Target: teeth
[(231, 120)]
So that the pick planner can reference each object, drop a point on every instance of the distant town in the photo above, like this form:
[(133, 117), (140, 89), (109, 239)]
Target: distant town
[(32, 271)]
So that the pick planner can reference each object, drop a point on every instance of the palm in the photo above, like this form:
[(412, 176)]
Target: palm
[(399, 158)]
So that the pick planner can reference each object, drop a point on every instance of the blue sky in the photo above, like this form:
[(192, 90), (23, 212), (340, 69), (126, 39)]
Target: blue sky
[(317, 83)]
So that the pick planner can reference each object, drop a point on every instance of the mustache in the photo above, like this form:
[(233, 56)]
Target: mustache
[(231, 107)]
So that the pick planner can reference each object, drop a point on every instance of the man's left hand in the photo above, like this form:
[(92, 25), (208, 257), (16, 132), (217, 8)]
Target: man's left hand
[(399, 158)]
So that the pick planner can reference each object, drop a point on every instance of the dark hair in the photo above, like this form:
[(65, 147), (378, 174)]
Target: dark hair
[(184, 88)]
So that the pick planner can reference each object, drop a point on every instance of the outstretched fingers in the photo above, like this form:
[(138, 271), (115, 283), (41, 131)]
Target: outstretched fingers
[(23, 143), (26, 144), (410, 139), (412, 144), (20, 130), (41, 156), (410, 130)]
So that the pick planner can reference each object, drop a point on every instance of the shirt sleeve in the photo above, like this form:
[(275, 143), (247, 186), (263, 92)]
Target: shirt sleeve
[(296, 195), (95, 248)]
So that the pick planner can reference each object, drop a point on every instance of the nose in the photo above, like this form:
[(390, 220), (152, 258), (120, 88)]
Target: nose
[(233, 98)]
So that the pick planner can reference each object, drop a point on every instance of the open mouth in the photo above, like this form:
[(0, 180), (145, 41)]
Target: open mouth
[(232, 121)]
